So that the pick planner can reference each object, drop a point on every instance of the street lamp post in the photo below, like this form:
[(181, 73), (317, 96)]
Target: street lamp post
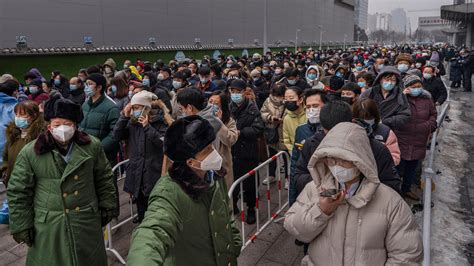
[(265, 43), (296, 41), (320, 37), (345, 36)]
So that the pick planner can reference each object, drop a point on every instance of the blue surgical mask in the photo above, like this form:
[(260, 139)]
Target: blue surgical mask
[(114, 89), (427, 76), (203, 80), (255, 80), (21, 122), (57, 82), (177, 84), (359, 68), (416, 91), (361, 84), (292, 82), (33, 89), (130, 94), (402, 68), (380, 67), (265, 71), (339, 74), (236, 97), (388, 86), (146, 82), (137, 113), (72, 87), (312, 76), (215, 109), (88, 91)]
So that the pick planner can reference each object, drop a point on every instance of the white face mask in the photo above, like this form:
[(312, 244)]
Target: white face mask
[(343, 174), (63, 133), (313, 115), (212, 162)]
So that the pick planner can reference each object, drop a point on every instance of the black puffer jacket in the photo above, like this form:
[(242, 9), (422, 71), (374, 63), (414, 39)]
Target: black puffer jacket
[(386, 168), (145, 152), (436, 88), (250, 124)]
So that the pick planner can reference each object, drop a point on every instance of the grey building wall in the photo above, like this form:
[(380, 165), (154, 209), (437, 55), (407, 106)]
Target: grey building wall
[(60, 23)]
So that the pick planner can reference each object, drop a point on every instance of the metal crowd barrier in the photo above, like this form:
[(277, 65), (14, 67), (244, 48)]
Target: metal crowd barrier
[(428, 174), (281, 206), (108, 229)]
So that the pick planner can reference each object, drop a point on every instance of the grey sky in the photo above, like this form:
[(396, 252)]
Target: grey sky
[(385, 6)]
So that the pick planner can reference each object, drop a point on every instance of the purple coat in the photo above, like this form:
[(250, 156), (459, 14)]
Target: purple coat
[(413, 136)]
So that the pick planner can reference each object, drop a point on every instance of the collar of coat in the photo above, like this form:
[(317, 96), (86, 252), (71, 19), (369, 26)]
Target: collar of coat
[(45, 142), (37, 127)]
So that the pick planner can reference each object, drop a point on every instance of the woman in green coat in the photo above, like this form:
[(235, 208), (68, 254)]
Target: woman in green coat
[(188, 221), (28, 124), (61, 192)]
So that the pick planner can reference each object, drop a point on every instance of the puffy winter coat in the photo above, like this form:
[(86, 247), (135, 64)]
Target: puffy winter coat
[(270, 109), (227, 136), (39, 98), (179, 230), (455, 70), (7, 115), (413, 137), (62, 201), (436, 88), (291, 121), (373, 227), (145, 147)]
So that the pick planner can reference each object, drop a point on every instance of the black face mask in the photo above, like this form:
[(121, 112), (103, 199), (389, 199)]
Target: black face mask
[(347, 99), (291, 106)]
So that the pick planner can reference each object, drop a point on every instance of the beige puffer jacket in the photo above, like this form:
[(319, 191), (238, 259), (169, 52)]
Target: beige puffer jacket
[(374, 227)]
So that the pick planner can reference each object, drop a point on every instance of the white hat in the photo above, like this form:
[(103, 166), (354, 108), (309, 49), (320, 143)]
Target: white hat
[(144, 98)]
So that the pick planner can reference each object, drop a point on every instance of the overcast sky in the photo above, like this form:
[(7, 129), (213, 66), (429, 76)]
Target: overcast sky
[(385, 6)]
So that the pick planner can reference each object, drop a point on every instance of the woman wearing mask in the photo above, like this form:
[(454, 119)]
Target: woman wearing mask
[(245, 151), (36, 92), (272, 114), (119, 92), (143, 128), (313, 77), (61, 84), (434, 85), (364, 80), (28, 125), (227, 134), (294, 116), (366, 110), (413, 137)]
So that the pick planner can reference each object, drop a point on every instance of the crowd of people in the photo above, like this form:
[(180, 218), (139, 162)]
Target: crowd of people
[(355, 122)]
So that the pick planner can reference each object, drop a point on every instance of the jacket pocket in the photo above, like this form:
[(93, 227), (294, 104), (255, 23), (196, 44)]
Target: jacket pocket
[(40, 216)]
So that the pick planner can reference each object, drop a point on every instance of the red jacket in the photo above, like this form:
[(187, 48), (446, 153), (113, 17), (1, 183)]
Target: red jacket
[(39, 98), (413, 136)]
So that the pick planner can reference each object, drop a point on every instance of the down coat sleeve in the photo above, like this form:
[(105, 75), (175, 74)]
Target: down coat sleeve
[(305, 220), (104, 180), (402, 116), (109, 143), (403, 240), (392, 145)]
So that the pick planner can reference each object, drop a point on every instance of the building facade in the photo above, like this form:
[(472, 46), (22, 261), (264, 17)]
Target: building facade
[(433, 23), (379, 21), (399, 20), (124, 22), (361, 14)]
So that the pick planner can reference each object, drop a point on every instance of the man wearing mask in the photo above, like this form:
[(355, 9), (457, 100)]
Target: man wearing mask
[(61, 192), (350, 92), (205, 83), (339, 212), (164, 79), (434, 85), (293, 79), (109, 68), (404, 62), (76, 89)]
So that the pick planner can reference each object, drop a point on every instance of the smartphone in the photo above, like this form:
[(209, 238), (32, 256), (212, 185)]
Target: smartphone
[(329, 193)]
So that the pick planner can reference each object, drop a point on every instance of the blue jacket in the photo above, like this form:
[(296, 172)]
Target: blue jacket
[(7, 103), (303, 132)]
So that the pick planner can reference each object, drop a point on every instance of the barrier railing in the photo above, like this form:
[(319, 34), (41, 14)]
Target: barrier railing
[(108, 229), (281, 206), (428, 174)]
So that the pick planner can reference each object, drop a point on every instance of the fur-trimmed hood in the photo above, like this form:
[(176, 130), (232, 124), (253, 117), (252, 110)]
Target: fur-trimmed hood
[(37, 127)]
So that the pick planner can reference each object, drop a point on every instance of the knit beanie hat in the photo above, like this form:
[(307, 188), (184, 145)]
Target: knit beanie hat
[(99, 80), (143, 98), (410, 80)]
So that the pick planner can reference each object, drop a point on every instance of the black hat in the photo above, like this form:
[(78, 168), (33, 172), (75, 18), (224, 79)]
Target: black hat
[(59, 107), (238, 84), (204, 71), (166, 69), (188, 136), (98, 79)]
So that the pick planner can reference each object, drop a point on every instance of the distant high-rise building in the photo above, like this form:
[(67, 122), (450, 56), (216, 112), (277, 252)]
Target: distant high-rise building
[(379, 21), (361, 13), (399, 20)]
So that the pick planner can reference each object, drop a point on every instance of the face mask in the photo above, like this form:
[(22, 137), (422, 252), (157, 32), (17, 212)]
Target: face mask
[(63, 133), (343, 174), (300, 69), (213, 162), (137, 113), (228, 65), (219, 61), (236, 97), (339, 74), (88, 91), (291, 105), (21, 122), (125, 66), (33, 90), (57, 82), (313, 115), (72, 87), (388, 86), (427, 76), (278, 71), (359, 68), (146, 82), (114, 89), (418, 65), (402, 68), (130, 94), (215, 109), (347, 99), (380, 67), (177, 84), (361, 84), (203, 80), (415, 91), (255, 80), (371, 122), (312, 76), (366, 62), (292, 82), (161, 77), (265, 72), (286, 65), (83, 79)]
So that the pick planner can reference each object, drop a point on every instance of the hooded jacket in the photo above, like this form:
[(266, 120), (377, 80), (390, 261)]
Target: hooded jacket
[(373, 227), (7, 114), (394, 110), (315, 84)]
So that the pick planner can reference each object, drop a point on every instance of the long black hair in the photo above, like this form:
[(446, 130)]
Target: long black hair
[(225, 105)]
